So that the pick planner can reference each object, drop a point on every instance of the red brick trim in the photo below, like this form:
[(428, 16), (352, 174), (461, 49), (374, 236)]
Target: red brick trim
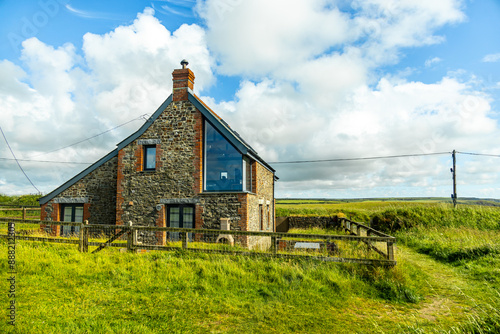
[(161, 236), (56, 216), (86, 212), (139, 158), (198, 153), (43, 213), (198, 220), (198, 216), (243, 212), (243, 223), (255, 190), (159, 153)]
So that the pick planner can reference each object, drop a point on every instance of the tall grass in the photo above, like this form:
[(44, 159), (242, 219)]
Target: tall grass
[(445, 282), (467, 239), (63, 291)]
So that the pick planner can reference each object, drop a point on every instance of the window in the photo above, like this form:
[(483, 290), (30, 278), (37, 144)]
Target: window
[(268, 216), (261, 217), (181, 216), (149, 157), (223, 163), (247, 175), (71, 213)]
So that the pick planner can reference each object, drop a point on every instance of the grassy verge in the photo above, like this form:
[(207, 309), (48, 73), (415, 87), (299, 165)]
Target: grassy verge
[(446, 281), (63, 291)]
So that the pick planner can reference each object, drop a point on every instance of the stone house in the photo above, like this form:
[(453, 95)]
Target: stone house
[(185, 167)]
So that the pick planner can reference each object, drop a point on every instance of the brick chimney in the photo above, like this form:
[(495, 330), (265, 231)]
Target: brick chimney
[(183, 81)]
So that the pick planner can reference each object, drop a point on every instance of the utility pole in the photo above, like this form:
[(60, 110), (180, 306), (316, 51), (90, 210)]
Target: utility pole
[(454, 172)]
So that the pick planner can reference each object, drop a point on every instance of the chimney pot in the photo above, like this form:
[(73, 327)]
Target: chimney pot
[(184, 63)]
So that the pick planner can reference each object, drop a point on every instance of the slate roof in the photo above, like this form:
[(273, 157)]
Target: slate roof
[(232, 136)]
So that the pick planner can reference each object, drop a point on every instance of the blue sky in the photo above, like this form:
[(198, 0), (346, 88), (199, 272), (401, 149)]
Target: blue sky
[(299, 80)]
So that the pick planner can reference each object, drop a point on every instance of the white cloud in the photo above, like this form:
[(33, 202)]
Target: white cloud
[(331, 108), (311, 88), (431, 61), (60, 96), (491, 58), (260, 37), (275, 37), (393, 118)]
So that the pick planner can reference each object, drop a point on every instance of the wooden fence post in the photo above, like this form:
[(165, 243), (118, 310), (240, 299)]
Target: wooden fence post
[(84, 237), (130, 238), (390, 251), (24, 213)]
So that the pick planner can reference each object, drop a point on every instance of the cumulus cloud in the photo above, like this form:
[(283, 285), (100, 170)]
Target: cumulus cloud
[(61, 95), (393, 118), (258, 37), (262, 37), (312, 87), (321, 97)]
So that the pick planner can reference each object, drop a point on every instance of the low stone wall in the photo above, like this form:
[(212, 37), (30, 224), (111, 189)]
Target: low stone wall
[(309, 222)]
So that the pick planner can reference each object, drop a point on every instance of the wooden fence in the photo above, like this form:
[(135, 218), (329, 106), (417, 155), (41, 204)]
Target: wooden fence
[(22, 210), (361, 230), (362, 245)]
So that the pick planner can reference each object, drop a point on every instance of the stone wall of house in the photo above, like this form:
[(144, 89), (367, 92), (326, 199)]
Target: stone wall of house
[(261, 206), (221, 205), (97, 191), (176, 134)]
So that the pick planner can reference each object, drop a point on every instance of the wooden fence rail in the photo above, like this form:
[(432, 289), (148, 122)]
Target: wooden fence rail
[(23, 209), (279, 244), (361, 230)]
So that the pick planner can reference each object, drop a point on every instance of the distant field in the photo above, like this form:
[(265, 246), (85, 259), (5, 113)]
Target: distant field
[(362, 209)]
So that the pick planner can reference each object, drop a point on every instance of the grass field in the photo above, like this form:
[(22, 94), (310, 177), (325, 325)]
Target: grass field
[(446, 281)]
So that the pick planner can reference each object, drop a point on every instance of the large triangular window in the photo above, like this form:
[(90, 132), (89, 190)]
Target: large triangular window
[(225, 168)]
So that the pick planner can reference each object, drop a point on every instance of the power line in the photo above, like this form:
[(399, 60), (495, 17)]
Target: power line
[(94, 136), (53, 162), (357, 159), (481, 154), (288, 162), (21, 168)]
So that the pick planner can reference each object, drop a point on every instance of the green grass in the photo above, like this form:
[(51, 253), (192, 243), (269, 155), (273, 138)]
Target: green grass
[(358, 211), (465, 240), (63, 291), (446, 281), (19, 201)]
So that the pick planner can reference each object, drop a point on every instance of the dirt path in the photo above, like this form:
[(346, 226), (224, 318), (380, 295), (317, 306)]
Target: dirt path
[(448, 301)]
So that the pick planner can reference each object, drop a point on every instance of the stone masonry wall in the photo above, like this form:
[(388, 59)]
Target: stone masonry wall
[(176, 134), (263, 197), (98, 189), (221, 205)]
